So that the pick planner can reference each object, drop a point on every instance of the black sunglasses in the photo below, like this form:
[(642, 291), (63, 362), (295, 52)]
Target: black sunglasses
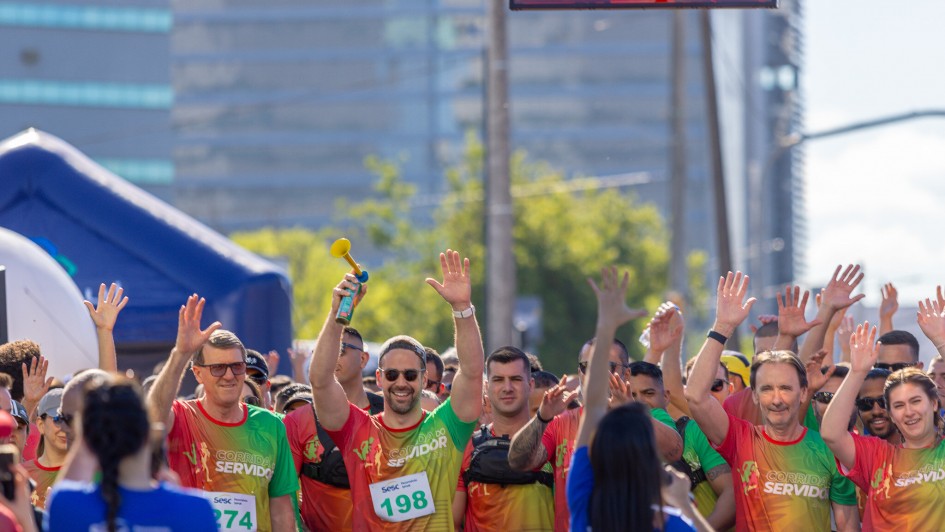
[(432, 384), (350, 346), (219, 370), (865, 404), (824, 397), (895, 366), (251, 400), (718, 384), (410, 375), (59, 419), (613, 367)]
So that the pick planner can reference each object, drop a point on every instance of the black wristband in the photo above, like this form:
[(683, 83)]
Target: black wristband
[(717, 336), (543, 420)]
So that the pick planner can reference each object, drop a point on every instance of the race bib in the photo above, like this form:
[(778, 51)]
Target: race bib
[(403, 498), (234, 511)]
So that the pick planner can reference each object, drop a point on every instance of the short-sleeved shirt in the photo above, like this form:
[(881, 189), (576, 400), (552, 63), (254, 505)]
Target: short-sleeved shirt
[(558, 439), (80, 506), (431, 450), (491, 507), (581, 485), (44, 477), (699, 454), (905, 488), (782, 485), (250, 457)]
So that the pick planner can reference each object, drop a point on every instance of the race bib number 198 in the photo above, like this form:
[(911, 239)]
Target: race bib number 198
[(234, 511), (402, 498)]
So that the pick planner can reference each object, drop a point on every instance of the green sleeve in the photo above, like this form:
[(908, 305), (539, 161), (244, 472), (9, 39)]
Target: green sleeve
[(810, 419), (460, 432), (663, 416), (696, 445), (284, 480), (842, 489)]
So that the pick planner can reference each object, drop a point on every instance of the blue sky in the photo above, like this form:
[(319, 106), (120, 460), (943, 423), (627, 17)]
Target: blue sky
[(877, 196)]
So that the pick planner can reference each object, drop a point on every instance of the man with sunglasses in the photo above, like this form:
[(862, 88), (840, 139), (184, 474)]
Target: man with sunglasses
[(238, 454), (822, 397), (434, 372), (53, 446), (871, 404), (403, 464), (326, 502), (898, 350), (257, 370)]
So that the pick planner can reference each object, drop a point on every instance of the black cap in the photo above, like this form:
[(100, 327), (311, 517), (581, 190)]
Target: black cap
[(255, 361)]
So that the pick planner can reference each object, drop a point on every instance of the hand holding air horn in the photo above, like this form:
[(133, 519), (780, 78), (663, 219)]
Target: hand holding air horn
[(341, 249)]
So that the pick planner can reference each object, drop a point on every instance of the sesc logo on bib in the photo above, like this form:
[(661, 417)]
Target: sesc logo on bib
[(233, 511), (403, 498)]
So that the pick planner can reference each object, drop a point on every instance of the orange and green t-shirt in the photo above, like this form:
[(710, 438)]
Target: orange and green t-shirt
[(241, 465), (44, 477), (782, 485), (403, 479), (905, 488), (558, 439), (492, 507)]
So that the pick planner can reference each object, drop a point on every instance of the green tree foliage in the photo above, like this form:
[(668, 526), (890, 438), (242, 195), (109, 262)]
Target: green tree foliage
[(565, 231)]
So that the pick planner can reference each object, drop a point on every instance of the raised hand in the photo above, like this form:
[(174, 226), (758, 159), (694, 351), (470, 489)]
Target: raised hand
[(731, 307), (836, 295), (556, 399), (844, 332), (190, 338), (347, 286), (791, 307), (619, 392), (611, 295), (764, 319), (105, 314), (890, 303), (931, 319), (666, 327), (456, 287), (863, 348), (815, 378), (35, 383), (272, 361)]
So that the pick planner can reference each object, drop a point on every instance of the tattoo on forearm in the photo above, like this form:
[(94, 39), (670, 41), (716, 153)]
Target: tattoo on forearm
[(717, 471), (526, 448)]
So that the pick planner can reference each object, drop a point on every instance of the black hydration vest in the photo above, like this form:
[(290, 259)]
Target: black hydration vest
[(330, 469), (490, 463), (696, 476)]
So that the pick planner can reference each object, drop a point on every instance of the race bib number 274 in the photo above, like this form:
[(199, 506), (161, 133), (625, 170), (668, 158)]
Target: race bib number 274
[(234, 511), (402, 498)]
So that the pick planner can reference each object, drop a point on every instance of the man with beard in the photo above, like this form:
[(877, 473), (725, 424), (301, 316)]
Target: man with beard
[(490, 495), (871, 404), (403, 463), (325, 502)]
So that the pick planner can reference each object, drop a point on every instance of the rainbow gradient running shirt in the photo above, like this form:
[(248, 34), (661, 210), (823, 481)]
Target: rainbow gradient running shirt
[(44, 477), (905, 488), (522, 508), (782, 485), (233, 460), (398, 476)]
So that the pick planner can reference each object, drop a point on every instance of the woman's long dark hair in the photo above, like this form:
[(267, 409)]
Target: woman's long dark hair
[(627, 471), (114, 425)]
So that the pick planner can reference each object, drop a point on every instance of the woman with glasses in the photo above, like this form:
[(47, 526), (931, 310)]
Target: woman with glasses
[(54, 438), (252, 395), (904, 484)]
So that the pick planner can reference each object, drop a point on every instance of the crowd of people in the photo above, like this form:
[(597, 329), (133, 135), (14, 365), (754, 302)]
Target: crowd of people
[(781, 438)]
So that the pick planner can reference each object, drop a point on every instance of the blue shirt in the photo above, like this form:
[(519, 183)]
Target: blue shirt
[(580, 486), (79, 506)]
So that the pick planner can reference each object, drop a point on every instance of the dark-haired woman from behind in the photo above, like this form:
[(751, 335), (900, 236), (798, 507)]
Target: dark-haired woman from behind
[(114, 428), (619, 483)]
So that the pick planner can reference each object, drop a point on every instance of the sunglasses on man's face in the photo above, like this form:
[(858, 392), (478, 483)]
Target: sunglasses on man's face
[(823, 397), (865, 404), (219, 370), (895, 366), (433, 385), (613, 367), (345, 345), (251, 400), (392, 375), (718, 384)]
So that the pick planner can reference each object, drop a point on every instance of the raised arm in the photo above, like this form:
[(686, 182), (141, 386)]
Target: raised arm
[(666, 334), (792, 322), (104, 317), (931, 319), (331, 403), (863, 352), (526, 451), (844, 332), (190, 338), (834, 297), (456, 289), (35, 383), (888, 307), (731, 310), (612, 312)]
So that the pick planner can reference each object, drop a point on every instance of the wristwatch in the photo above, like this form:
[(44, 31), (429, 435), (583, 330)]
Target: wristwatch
[(465, 313)]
